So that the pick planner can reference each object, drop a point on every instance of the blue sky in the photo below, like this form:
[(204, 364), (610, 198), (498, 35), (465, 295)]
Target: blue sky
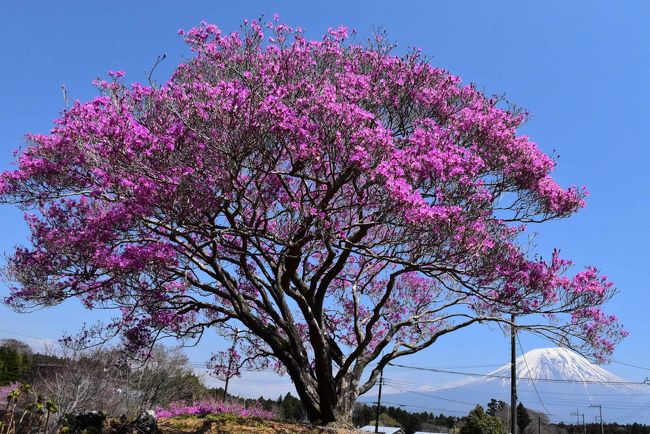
[(582, 68)]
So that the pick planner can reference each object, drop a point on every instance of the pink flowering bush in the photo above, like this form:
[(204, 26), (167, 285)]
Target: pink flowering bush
[(6, 390), (202, 408), (343, 205)]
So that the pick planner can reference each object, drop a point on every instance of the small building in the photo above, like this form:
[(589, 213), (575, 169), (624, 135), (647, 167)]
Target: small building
[(428, 432), (383, 429)]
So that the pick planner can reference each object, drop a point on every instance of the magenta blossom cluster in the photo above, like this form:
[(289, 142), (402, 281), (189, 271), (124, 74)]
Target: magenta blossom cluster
[(202, 408)]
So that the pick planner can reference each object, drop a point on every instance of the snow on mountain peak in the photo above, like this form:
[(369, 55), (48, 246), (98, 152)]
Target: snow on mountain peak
[(558, 364), (554, 364)]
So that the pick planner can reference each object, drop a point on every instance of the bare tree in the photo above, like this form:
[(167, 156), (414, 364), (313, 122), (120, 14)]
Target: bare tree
[(166, 376), (85, 380)]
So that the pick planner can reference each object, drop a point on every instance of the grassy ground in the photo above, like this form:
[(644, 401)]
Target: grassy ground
[(228, 424)]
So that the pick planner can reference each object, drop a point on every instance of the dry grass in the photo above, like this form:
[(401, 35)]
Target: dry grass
[(228, 424)]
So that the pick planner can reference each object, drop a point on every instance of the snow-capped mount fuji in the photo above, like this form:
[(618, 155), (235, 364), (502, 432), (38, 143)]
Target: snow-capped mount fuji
[(558, 364), (557, 381)]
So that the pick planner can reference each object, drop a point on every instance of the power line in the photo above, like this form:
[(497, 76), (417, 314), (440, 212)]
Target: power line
[(532, 381), (26, 335), (400, 385), (470, 366), (447, 390), (553, 380), (547, 392), (402, 389), (405, 383), (635, 413), (630, 365), (425, 408)]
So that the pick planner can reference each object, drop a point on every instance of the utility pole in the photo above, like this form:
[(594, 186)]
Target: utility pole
[(584, 425), (513, 376), (230, 361), (539, 425), (381, 381), (600, 412), (577, 415)]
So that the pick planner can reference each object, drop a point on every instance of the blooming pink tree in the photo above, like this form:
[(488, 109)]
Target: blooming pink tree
[(343, 205)]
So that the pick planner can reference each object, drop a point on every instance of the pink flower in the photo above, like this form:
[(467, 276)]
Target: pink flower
[(202, 408)]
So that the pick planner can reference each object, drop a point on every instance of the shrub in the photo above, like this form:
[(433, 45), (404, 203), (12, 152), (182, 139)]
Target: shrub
[(202, 408)]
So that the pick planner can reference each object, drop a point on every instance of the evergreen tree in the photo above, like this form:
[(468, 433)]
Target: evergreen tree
[(292, 408), (386, 419), (523, 418), (494, 407), (14, 363), (479, 422), (362, 415)]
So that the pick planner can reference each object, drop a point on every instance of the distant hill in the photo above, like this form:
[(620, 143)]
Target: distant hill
[(565, 381)]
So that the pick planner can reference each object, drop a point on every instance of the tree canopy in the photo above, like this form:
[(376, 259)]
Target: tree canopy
[(343, 205)]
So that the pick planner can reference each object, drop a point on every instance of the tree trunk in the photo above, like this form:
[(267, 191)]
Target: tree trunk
[(345, 405), (338, 415), (326, 406)]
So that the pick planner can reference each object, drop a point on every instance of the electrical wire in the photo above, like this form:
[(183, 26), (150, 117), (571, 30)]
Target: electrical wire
[(447, 394), (402, 389), (553, 380), (469, 366), (630, 365), (424, 407), (26, 335), (523, 354)]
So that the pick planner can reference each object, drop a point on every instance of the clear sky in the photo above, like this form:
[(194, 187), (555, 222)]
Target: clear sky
[(582, 68)]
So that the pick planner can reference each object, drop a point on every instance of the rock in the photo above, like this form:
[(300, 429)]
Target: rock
[(96, 422), (90, 422)]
